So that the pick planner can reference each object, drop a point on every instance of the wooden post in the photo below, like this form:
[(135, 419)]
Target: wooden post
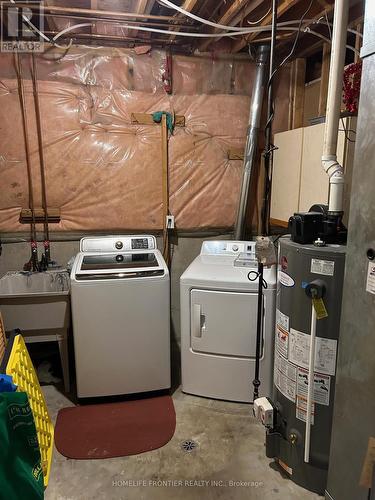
[(165, 186), (358, 42), (324, 79), (297, 94), (179, 121)]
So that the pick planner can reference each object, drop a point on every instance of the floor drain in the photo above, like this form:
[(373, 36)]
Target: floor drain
[(189, 445)]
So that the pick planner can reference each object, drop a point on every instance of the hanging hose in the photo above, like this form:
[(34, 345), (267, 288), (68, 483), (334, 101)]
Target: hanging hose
[(34, 78), (33, 262)]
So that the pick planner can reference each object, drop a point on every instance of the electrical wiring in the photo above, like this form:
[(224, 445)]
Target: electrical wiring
[(298, 29), (195, 35), (71, 28), (268, 148), (167, 3), (261, 19), (347, 131), (268, 153), (284, 26), (286, 58)]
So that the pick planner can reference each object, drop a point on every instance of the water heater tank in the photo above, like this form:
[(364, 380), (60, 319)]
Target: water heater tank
[(300, 265)]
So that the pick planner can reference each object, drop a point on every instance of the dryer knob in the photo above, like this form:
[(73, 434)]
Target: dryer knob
[(119, 245), (235, 248), (119, 258)]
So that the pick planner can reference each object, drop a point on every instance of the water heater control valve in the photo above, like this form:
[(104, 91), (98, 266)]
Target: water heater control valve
[(264, 411)]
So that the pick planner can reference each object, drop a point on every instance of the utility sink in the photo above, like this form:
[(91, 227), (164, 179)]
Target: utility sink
[(39, 305)]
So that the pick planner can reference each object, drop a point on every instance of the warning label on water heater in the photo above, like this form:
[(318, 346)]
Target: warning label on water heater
[(286, 386), (322, 386), (301, 409), (281, 341), (325, 352), (282, 320), (285, 376), (286, 368)]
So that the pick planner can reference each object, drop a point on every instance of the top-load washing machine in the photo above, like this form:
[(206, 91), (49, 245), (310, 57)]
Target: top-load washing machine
[(121, 316), (219, 297)]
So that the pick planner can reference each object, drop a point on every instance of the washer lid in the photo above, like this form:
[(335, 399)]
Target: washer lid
[(91, 266)]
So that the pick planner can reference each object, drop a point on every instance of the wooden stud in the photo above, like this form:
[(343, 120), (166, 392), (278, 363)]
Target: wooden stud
[(324, 79), (188, 5), (165, 185), (278, 222), (358, 41), (298, 92), (142, 7)]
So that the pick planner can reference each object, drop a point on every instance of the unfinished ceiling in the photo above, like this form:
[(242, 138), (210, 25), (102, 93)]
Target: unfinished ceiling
[(127, 22)]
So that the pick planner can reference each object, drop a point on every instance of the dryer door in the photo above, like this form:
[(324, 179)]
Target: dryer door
[(223, 322)]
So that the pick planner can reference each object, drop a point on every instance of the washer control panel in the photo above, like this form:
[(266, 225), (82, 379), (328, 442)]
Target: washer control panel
[(114, 243)]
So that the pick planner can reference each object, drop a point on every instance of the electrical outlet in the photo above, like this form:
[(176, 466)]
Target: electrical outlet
[(170, 221)]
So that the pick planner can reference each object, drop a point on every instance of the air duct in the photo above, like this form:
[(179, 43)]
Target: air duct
[(252, 138), (330, 164)]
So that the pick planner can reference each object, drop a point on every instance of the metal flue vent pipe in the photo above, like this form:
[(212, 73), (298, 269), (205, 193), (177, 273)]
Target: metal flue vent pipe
[(251, 147), (330, 164)]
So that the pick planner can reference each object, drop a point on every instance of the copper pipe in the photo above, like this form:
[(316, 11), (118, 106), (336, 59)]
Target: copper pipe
[(21, 94), (34, 79), (90, 12)]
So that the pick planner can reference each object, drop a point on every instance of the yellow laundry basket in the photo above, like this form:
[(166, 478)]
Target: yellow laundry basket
[(20, 367)]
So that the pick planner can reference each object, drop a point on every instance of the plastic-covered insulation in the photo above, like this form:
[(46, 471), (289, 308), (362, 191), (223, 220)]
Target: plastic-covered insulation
[(103, 172)]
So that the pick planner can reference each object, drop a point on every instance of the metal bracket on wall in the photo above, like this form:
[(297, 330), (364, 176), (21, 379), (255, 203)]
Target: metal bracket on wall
[(235, 153), (146, 119)]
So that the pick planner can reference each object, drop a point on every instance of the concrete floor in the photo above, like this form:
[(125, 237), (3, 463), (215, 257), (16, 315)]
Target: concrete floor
[(229, 462)]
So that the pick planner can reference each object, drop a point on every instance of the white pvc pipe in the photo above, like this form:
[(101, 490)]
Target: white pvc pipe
[(310, 391), (329, 158)]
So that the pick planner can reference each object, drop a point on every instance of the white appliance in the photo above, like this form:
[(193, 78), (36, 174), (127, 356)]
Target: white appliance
[(218, 322), (120, 311)]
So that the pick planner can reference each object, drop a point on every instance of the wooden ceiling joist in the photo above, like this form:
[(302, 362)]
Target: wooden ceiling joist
[(143, 7), (188, 5), (283, 7), (231, 17)]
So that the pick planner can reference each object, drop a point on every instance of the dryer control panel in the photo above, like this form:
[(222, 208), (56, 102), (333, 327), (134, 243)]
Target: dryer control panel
[(227, 247), (115, 243)]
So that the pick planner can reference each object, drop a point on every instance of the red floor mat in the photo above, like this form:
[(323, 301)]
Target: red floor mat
[(115, 429)]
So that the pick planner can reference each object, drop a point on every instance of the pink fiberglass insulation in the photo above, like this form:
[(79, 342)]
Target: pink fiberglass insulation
[(103, 172)]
